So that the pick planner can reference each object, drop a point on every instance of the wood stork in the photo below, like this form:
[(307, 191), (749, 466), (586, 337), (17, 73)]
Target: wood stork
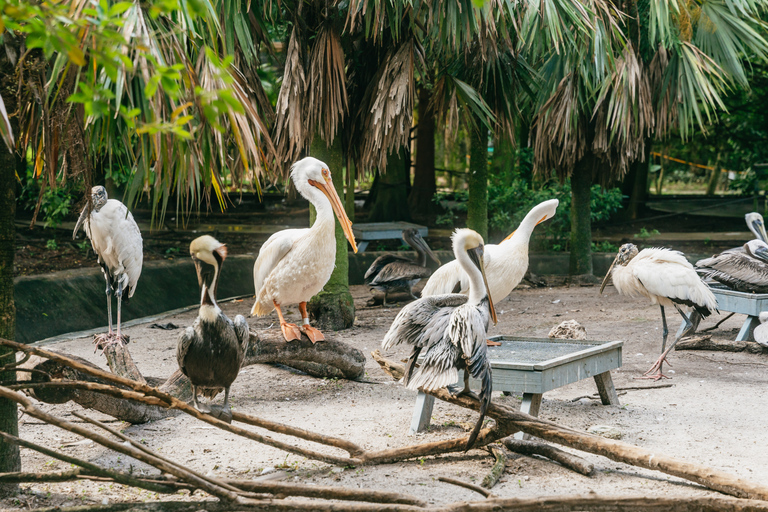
[(667, 279), (744, 271), (211, 351), (294, 264), (451, 331), (390, 272), (505, 263), (116, 240)]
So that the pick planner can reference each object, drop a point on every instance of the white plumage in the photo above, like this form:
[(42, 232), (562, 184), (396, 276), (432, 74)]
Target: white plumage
[(666, 278), (294, 264), (505, 263), (451, 331), (116, 240)]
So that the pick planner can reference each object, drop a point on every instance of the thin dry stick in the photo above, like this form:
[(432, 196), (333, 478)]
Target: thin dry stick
[(207, 484), (466, 485), (93, 468), (717, 324)]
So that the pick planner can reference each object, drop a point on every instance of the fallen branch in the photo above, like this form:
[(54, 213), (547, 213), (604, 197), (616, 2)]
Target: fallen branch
[(466, 485), (566, 459), (494, 475), (707, 343)]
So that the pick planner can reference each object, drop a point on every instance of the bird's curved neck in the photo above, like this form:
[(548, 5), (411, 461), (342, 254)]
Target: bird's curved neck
[(477, 290), (525, 229), (325, 215), (209, 308)]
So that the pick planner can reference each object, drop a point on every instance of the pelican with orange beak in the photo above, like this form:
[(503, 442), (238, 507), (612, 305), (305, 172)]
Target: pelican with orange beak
[(294, 264)]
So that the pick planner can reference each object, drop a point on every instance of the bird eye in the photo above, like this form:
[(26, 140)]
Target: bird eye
[(325, 172)]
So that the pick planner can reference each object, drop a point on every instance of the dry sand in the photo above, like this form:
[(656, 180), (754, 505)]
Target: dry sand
[(713, 414)]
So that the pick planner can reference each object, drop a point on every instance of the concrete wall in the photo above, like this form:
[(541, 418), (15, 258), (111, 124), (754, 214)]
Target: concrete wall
[(74, 300)]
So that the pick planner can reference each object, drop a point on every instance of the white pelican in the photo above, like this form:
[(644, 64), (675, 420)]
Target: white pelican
[(744, 271), (116, 240), (451, 330), (390, 272), (505, 263), (667, 279), (294, 264), (211, 351)]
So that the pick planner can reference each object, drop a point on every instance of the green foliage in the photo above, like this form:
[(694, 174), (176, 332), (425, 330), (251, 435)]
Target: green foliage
[(56, 203), (644, 233), (52, 245), (604, 246)]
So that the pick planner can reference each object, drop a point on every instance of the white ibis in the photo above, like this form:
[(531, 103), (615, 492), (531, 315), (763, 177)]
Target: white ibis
[(451, 331), (294, 264), (389, 272), (667, 279), (211, 351), (116, 240)]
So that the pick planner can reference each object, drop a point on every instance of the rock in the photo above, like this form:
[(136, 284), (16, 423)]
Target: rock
[(569, 330), (761, 331), (605, 431)]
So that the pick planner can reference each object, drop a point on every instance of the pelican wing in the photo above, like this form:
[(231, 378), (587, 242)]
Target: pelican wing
[(241, 331), (401, 270), (449, 278), (467, 330), (381, 262), (423, 322), (186, 337), (270, 254)]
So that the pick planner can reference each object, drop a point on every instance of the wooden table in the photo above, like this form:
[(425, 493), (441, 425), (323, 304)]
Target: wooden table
[(745, 303), (365, 232), (534, 366)]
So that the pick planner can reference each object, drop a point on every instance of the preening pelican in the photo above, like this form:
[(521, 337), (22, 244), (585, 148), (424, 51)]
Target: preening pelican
[(116, 240), (294, 264), (667, 279), (211, 351), (390, 272), (505, 263), (451, 330), (744, 271)]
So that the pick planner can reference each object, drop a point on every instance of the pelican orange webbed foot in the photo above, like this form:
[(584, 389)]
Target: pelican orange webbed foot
[(290, 331), (313, 334), (492, 343)]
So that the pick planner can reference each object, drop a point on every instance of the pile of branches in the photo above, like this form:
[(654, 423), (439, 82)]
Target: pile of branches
[(234, 494)]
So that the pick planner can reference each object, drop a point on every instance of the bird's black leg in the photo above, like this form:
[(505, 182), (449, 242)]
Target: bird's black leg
[(223, 412), (201, 408), (655, 371), (101, 339), (119, 307), (466, 391)]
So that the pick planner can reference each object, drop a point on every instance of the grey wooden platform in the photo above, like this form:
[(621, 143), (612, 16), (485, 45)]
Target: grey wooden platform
[(534, 366), (367, 231), (745, 303)]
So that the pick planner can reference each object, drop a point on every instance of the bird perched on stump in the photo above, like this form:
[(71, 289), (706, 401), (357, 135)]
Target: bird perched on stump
[(116, 241), (451, 331), (211, 351), (667, 279)]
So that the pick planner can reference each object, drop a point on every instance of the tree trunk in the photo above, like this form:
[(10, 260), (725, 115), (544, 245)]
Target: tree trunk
[(581, 222), (424, 188), (714, 177), (639, 193), (333, 308), (391, 201), (349, 198), (10, 459), (477, 205)]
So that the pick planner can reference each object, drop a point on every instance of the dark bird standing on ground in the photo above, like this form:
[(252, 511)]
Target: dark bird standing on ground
[(451, 331), (211, 351), (389, 272)]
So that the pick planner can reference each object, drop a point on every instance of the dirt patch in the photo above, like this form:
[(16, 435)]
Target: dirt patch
[(712, 415)]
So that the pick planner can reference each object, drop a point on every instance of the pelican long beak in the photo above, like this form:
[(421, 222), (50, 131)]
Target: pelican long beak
[(608, 274), (418, 240), (512, 233), (328, 189), (759, 229), (476, 255)]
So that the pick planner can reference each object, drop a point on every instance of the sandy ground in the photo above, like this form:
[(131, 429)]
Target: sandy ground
[(713, 414)]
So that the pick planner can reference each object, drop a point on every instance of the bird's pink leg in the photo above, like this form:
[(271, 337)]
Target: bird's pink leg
[(313, 334), (290, 331)]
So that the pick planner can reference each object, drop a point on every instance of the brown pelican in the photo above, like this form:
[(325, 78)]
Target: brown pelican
[(744, 271), (211, 351), (390, 272), (117, 242), (667, 279), (451, 331), (294, 264)]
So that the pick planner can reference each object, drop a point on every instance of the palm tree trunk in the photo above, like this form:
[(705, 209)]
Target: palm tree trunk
[(477, 205), (638, 194), (424, 186), (333, 308), (581, 222), (391, 201)]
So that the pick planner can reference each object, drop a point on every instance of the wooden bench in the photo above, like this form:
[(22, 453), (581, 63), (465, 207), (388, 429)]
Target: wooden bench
[(534, 366), (368, 231), (745, 303)]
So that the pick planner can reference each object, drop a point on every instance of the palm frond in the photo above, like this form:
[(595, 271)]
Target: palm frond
[(326, 84), (290, 128)]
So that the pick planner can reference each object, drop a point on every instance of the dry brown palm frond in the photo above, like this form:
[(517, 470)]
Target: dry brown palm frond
[(388, 106), (290, 128), (665, 103), (326, 84)]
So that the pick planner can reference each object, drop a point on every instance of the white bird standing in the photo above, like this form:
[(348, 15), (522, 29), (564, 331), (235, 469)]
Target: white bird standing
[(211, 351), (116, 240), (505, 263), (451, 330), (667, 279), (294, 264)]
